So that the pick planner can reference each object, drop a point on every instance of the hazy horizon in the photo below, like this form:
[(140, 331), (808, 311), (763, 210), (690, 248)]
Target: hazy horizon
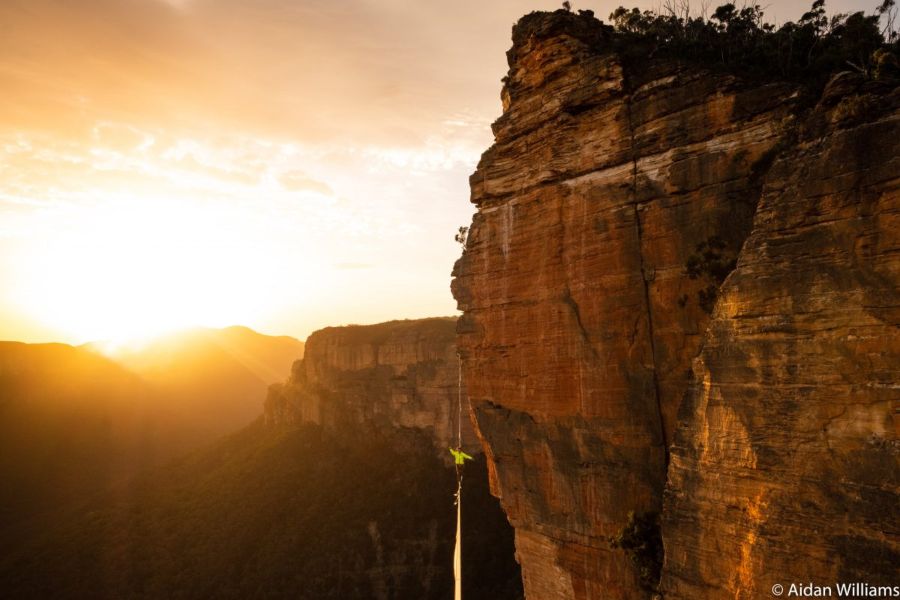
[(282, 166)]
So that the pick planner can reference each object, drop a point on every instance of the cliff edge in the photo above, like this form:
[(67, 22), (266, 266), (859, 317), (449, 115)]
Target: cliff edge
[(394, 376), (680, 298)]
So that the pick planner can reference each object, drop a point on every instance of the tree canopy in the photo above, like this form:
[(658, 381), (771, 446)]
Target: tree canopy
[(809, 50)]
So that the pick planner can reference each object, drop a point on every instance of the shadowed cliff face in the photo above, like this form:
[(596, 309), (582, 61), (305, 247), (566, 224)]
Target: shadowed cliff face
[(615, 201), (287, 512), (358, 505), (398, 382)]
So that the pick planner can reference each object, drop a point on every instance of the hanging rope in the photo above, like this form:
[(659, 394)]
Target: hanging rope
[(459, 459), (458, 402), (457, 552)]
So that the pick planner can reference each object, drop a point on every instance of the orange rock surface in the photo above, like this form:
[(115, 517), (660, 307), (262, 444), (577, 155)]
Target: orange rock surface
[(786, 464), (394, 375), (582, 319)]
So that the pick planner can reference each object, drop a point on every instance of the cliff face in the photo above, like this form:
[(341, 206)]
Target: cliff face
[(359, 506), (615, 201), (786, 463), (395, 387), (395, 375)]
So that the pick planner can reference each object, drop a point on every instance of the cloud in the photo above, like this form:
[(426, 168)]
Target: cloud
[(295, 181), (293, 136), (385, 72), (360, 71)]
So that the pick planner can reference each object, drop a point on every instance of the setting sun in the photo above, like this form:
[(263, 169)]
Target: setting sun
[(417, 300), (142, 268), (141, 232)]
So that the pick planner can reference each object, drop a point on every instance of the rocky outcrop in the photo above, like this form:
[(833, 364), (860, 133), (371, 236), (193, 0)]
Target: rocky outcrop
[(786, 463), (388, 393), (395, 375), (615, 201)]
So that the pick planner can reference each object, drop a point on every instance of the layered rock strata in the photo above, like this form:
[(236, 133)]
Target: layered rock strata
[(391, 376), (786, 463), (615, 200)]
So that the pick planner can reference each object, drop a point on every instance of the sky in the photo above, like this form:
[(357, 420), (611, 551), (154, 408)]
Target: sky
[(280, 164)]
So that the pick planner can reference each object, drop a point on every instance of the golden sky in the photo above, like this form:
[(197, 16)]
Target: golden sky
[(281, 164)]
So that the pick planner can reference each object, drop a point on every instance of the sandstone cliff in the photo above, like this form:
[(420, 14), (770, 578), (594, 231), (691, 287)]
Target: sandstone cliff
[(395, 387), (613, 369), (786, 463), (395, 375), (342, 491)]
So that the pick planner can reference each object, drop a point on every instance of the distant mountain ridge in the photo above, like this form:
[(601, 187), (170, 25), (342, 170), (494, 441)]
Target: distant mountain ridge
[(73, 421), (268, 357), (221, 372), (338, 492)]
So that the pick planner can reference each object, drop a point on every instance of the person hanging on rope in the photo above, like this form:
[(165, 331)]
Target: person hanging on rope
[(459, 456)]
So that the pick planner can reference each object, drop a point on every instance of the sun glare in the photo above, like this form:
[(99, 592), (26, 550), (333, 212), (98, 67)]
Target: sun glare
[(138, 269)]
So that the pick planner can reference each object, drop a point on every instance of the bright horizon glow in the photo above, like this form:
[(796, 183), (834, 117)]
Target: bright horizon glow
[(138, 273), (155, 234), (167, 164)]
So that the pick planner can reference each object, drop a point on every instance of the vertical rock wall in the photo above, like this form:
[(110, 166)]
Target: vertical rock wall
[(389, 393), (395, 375), (786, 466), (615, 200)]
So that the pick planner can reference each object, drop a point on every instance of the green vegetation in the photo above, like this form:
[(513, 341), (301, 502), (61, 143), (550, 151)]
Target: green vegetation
[(434, 328), (462, 235), (809, 50), (275, 513), (642, 541), (712, 261), (73, 422)]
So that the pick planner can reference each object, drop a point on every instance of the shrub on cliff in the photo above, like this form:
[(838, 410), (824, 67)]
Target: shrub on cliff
[(712, 261), (642, 542), (809, 50)]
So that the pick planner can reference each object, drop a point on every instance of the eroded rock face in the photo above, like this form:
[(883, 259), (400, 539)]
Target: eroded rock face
[(400, 374), (388, 393), (786, 466), (615, 200)]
